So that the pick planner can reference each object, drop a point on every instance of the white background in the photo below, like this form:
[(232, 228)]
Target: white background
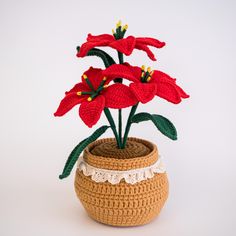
[(38, 63)]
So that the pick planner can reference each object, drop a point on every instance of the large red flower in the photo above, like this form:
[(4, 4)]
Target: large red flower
[(146, 84), (124, 45), (94, 94)]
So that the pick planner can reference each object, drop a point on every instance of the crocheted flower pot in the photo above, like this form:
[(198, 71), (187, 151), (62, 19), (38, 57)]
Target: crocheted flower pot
[(121, 187)]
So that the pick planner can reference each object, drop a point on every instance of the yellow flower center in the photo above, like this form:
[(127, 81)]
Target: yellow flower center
[(146, 75)]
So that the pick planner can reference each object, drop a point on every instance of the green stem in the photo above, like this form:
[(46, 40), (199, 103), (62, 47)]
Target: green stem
[(121, 57), (120, 125), (128, 125), (113, 126)]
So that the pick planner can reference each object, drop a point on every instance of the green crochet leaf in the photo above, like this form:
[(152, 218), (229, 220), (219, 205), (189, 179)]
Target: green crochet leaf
[(73, 157), (162, 123), (106, 58)]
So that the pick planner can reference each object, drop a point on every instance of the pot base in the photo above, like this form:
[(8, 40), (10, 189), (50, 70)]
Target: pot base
[(122, 204)]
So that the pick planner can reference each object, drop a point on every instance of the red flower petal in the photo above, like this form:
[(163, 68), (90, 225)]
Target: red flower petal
[(163, 77), (101, 37), (135, 70), (85, 47), (151, 42), (181, 92), (123, 71), (90, 112), (145, 48), (169, 92), (125, 46), (119, 96), (68, 102), (94, 41), (79, 88), (95, 76), (144, 92)]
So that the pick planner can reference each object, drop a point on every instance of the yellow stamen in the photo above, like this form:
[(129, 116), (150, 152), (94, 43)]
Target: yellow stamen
[(89, 99), (104, 78), (105, 86), (149, 78), (79, 93), (152, 72), (85, 76), (142, 74), (149, 69), (113, 31), (143, 67), (118, 24), (125, 27)]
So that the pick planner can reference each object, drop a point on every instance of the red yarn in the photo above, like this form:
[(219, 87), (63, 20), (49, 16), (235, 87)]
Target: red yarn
[(114, 96), (119, 96), (160, 84), (90, 112), (68, 102), (125, 45), (144, 92), (123, 71)]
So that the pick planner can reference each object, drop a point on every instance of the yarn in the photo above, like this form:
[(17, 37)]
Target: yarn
[(161, 84), (122, 204), (162, 123), (115, 176), (93, 94), (106, 58), (125, 45), (73, 157), (133, 149)]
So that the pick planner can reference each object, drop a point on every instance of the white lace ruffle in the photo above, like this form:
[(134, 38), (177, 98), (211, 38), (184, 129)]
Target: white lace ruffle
[(114, 177)]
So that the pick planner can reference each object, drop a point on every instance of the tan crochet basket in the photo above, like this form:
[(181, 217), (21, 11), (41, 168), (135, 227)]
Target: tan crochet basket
[(122, 204)]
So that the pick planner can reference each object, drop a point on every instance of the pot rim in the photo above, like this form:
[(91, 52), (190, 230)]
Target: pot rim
[(112, 163)]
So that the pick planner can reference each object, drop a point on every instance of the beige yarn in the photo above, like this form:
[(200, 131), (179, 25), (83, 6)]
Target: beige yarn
[(122, 204)]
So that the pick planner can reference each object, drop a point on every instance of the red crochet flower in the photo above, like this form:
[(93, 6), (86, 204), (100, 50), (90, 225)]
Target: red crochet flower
[(93, 94), (147, 84), (125, 45)]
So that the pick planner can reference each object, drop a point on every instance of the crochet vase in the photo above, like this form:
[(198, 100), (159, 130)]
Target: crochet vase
[(121, 187)]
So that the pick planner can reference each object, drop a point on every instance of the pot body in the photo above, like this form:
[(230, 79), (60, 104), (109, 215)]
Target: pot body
[(122, 204)]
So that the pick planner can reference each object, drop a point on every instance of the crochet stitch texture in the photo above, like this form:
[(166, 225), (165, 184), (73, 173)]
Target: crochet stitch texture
[(120, 181), (120, 203), (102, 89)]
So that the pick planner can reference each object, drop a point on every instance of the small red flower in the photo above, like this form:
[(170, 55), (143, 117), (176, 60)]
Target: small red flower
[(93, 94), (124, 45), (146, 84)]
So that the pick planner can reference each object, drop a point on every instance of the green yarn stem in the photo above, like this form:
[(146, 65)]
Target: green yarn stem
[(128, 125), (89, 84), (86, 93), (120, 125), (121, 57), (106, 58), (113, 126), (118, 33)]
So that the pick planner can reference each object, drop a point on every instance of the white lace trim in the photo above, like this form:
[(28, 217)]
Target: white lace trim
[(114, 176)]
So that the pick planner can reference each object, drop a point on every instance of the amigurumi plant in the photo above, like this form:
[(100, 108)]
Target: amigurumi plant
[(129, 164)]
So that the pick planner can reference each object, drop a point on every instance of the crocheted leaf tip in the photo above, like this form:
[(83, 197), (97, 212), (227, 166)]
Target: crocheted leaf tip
[(102, 89), (162, 123)]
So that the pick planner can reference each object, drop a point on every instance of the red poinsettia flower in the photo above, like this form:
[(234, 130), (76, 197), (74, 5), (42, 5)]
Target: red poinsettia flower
[(146, 84), (94, 94), (124, 45)]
